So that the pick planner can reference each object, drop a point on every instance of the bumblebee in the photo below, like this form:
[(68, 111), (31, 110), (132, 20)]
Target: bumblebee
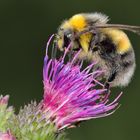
[(107, 44)]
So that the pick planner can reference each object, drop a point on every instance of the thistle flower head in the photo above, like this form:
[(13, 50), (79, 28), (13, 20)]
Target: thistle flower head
[(6, 136), (70, 92), (4, 100)]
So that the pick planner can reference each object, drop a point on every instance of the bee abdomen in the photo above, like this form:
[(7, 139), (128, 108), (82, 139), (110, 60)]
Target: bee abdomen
[(127, 68), (128, 59)]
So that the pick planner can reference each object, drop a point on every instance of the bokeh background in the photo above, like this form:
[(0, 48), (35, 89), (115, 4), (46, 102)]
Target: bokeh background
[(24, 29)]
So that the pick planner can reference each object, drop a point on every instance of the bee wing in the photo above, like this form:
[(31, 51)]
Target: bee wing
[(134, 29)]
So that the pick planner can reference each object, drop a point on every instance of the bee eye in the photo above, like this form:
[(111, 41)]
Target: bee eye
[(66, 41)]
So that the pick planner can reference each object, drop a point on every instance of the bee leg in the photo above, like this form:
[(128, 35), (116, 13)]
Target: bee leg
[(110, 79), (107, 86), (106, 93)]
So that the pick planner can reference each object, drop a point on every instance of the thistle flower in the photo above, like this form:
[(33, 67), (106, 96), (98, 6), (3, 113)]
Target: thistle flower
[(6, 136), (4, 100), (70, 92), (71, 95)]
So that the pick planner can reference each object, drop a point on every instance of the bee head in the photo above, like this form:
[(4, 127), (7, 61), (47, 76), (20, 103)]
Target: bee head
[(64, 38), (68, 30)]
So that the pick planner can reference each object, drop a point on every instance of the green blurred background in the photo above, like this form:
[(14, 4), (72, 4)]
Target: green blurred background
[(24, 29)]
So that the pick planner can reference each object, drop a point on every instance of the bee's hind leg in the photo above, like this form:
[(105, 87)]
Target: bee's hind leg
[(104, 96), (107, 84)]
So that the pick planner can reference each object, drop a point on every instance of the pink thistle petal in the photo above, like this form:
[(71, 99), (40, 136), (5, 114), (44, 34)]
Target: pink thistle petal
[(6, 136)]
